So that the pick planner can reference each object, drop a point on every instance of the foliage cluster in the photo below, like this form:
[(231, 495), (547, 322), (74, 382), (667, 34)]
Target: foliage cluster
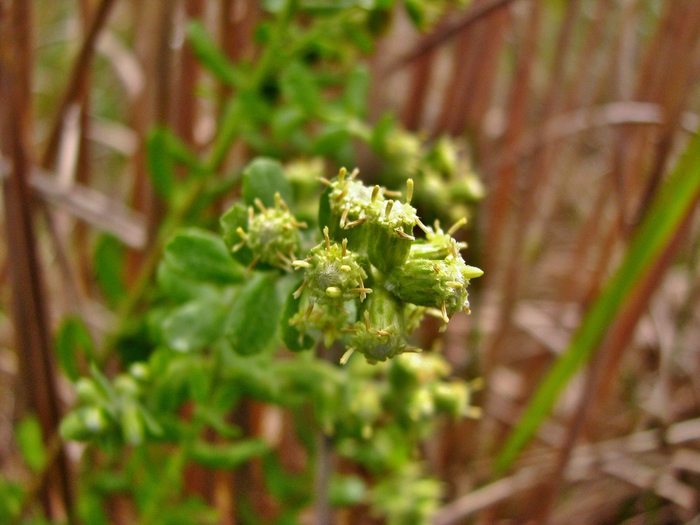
[(205, 342)]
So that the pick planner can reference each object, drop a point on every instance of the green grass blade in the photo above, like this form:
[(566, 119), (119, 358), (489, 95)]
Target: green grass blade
[(671, 206)]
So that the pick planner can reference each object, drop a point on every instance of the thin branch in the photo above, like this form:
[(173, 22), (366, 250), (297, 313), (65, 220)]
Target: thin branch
[(80, 69), (478, 12)]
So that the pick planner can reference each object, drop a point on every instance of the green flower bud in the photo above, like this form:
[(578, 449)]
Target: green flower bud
[(333, 274), (451, 398), (443, 156), (412, 369), (351, 204), (420, 404), (392, 235), (140, 371), (438, 244), (88, 393), (272, 235), (454, 398), (403, 150), (436, 284), (126, 386), (329, 319), (366, 404), (84, 423), (380, 335)]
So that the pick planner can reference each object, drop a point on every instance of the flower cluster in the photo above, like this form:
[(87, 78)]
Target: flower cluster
[(371, 278), (271, 235), (442, 168)]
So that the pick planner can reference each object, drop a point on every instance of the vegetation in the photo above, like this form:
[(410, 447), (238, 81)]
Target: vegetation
[(241, 294)]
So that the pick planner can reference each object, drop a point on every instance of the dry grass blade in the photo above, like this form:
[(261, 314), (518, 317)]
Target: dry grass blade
[(93, 207)]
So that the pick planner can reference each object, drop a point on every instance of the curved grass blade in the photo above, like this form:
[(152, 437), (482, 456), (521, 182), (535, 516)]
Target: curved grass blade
[(675, 200)]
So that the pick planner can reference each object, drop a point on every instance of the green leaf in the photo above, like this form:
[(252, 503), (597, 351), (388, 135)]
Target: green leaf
[(132, 423), (160, 163), (108, 264), (262, 178), (31, 443), (293, 490), (299, 87), (180, 151), (324, 209), (416, 12), (175, 285), (234, 218), (227, 456), (675, 200), (90, 509), (210, 55), (295, 340), (196, 324), (73, 339), (11, 496), (252, 325), (202, 256), (356, 91), (216, 419), (229, 128)]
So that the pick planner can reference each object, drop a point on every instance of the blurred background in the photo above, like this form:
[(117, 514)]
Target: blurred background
[(574, 114)]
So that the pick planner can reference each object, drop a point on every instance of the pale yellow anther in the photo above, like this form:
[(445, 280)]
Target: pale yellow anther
[(297, 293), (457, 225), (327, 237), (341, 174), (346, 355), (352, 224), (403, 234), (389, 206), (344, 217), (334, 292), (409, 190), (375, 193), (260, 205), (279, 202), (242, 233)]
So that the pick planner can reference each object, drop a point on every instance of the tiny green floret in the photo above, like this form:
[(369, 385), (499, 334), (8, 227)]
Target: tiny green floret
[(380, 335), (332, 273), (272, 234)]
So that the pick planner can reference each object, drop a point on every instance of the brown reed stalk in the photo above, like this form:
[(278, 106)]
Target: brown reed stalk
[(418, 91), (476, 13), (83, 162), (457, 91), (680, 67), (499, 206), (32, 327), (76, 81), (490, 49)]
